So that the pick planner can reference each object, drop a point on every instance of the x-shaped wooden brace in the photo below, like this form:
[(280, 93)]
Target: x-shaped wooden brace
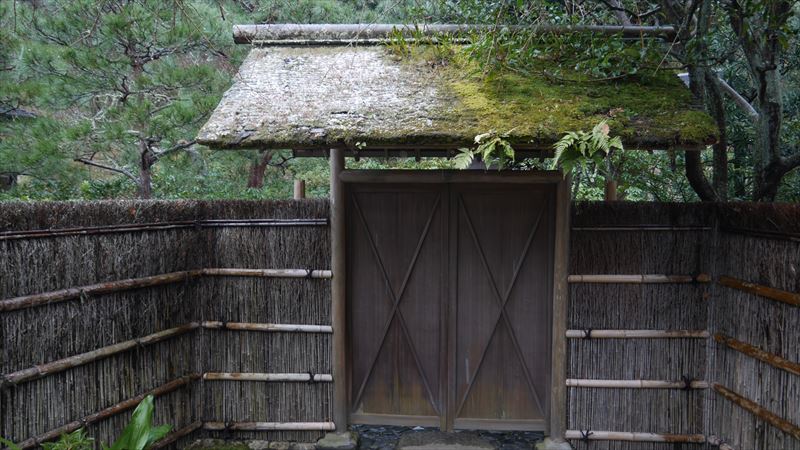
[(395, 299), (501, 302)]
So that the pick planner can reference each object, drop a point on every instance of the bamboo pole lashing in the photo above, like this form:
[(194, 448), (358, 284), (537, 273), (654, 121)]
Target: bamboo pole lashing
[(267, 327), (758, 411), (177, 434), (717, 442), (637, 334), (268, 377), (755, 352), (108, 412), (639, 279), (69, 362), (269, 426), (790, 298), (29, 301), (633, 437), (637, 384)]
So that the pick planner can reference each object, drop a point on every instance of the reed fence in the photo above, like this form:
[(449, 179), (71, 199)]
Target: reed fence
[(683, 322)]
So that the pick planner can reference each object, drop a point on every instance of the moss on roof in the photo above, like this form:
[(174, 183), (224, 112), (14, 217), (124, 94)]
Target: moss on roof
[(322, 97)]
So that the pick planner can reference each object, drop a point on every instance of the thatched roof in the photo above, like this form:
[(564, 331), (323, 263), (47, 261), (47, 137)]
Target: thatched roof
[(313, 97)]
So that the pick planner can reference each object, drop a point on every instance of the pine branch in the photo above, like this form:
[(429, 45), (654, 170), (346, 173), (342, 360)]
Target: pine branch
[(119, 170)]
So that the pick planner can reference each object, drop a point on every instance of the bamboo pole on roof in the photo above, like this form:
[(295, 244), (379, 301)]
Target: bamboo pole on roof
[(637, 334), (637, 384), (107, 412), (633, 437), (69, 362), (268, 377), (267, 327)]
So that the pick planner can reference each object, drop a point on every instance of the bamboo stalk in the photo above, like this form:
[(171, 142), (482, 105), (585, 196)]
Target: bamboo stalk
[(269, 426), (42, 370), (717, 442), (637, 334), (639, 279), (636, 384), (108, 412), (757, 353), (158, 226), (28, 301), (790, 298), (177, 434), (633, 437), (268, 377), (759, 411), (378, 33), (644, 228), (268, 327), (270, 273)]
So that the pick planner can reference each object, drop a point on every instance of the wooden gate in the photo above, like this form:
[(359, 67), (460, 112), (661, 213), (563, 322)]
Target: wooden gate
[(449, 291)]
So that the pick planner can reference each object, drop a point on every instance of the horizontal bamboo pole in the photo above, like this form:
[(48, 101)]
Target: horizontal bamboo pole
[(644, 228), (634, 437), (717, 442), (790, 298), (636, 384), (177, 434), (41, 370), (108, 412), (639, 279), (270, 273), (759, 411), (269, 426), (158, 226), (268, 327), (637, 334), (269, 377), (28, 301), (757, 353)]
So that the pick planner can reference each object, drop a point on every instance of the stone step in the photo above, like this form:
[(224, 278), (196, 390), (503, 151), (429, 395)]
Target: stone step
[(437, 440)]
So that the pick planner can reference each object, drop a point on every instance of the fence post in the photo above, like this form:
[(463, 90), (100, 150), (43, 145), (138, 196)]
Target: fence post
[(338, 311), (299, 189)]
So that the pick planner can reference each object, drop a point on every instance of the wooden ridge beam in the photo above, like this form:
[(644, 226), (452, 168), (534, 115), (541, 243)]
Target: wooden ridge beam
[(790, 298), (637, 384), (758, 411), (637, 334), (633, 437), (267, 327), (755, 352), (639, 279), (269, 426), (108, 412), (69, 362)]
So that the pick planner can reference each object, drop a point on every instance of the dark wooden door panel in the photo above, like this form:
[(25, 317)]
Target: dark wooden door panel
[(501, 293), (449, 289), (396, 288)]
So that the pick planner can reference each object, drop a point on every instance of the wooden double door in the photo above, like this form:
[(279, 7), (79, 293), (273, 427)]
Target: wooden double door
[(449, 288)]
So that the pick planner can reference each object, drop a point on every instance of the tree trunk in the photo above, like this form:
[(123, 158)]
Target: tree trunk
[(258, 168), (717, 109), (146, 161), (611, 190), (697, 177)]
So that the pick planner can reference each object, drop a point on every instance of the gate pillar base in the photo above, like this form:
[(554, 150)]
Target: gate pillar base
[(553, 444), (347, 440)]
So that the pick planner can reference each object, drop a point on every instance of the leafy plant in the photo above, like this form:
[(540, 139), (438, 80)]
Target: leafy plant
[(77, 440), (580, 149), (140, 433), (493, 149), (9, 444)]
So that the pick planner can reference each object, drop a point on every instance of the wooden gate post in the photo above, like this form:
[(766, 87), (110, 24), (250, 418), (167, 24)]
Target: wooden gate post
[(338, 300)]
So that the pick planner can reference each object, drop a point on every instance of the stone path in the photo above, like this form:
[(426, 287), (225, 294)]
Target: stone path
[(388, 438)]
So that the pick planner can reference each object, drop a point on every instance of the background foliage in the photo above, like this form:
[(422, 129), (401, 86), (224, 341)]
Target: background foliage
[(101, 99)]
